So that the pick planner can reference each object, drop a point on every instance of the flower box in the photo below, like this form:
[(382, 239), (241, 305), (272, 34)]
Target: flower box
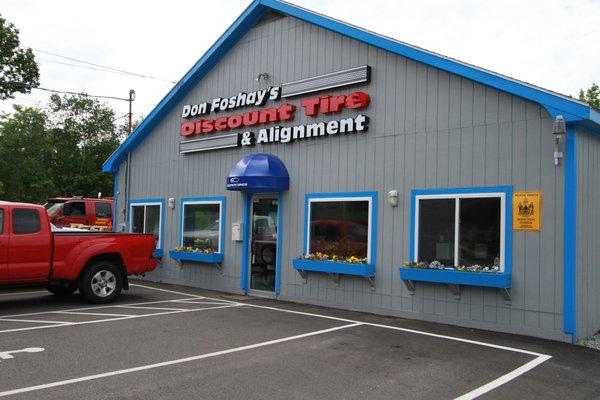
[(200, 257), (334, 267), (453, 277), (158, 253)]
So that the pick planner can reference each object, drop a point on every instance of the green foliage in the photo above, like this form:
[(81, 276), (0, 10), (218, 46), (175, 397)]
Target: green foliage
[(18, 69), (591, 96), (58, 150)]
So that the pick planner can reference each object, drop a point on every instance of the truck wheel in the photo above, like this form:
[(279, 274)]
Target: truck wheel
[(101, 282), (62, 290)]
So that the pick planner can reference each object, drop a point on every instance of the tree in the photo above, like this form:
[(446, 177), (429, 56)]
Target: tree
[(591, 96), (18, 69), (24, 156), (57, 150)]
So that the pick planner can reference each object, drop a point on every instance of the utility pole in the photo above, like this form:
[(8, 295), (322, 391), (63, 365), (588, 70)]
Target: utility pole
[(131, 99)]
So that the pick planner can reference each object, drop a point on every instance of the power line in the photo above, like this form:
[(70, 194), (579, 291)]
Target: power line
[(79, 94), (99, 65)]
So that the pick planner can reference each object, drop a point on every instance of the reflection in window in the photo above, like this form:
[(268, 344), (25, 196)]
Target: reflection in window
[(145, 218), (478, 224), (436, 230), (201, 226), (339, 229)]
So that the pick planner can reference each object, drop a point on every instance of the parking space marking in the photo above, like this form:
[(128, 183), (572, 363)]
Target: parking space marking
[(62, 324), (21, 293), (198, 302), (190, 297), (539, 358), (34, 321), (90, 313), (173, 362), (152, 308)]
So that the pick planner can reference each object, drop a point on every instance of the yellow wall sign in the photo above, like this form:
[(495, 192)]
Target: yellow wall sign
[(527, 211)]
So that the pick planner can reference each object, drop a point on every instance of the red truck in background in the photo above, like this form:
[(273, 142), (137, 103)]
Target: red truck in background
[(96, 263), (80, 212)]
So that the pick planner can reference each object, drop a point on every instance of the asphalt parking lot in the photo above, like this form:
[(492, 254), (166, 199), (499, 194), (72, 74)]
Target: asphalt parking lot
[(165, 341)]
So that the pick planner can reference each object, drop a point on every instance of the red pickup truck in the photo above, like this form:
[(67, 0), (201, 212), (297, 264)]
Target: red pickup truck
[(96, 263)]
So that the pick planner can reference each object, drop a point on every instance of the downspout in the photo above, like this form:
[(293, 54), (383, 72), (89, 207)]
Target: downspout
[(570, 235)]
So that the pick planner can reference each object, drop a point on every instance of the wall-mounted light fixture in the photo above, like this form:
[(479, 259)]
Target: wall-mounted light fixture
[(171, 202), (393, 198), (263, 75), (559, 128)]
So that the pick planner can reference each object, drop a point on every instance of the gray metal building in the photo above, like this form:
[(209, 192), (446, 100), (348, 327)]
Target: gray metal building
[(418, 180)]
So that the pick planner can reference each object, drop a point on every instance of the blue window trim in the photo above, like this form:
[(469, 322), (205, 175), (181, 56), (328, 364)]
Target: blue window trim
[(349, 196), (572, 109), (222, 201), (507, 190), (159, 251), (570, 235), (244, 284)]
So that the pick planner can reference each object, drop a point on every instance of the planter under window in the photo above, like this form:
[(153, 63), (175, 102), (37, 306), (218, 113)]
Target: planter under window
[(199, 257), (334, 269), (453, 278)]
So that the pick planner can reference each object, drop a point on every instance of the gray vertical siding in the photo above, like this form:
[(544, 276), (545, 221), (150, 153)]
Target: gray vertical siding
[(588, 234), (428, 129)]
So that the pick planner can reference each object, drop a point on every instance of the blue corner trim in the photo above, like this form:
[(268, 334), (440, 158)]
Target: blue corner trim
[(570, 235), (222, 201), (571, 109), (334, 267), (278, 254), (507, 190), (346, 196), (499, 280), (196, 257), (159, 250), (115, 210), (245, 242)]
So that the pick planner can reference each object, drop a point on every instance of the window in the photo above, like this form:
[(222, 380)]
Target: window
[(341, 225), (202, 224), (1, 221), (25, 221), (103, 210), (146, 217), (464, 228), (74, 209)]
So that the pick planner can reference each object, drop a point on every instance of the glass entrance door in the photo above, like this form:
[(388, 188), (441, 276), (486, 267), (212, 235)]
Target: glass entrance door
[(263, 242)]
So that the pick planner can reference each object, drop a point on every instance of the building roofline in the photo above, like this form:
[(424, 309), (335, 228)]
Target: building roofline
[(556, 104)]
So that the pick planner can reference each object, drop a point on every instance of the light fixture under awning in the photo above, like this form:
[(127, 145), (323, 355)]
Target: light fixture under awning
[(259, 173)]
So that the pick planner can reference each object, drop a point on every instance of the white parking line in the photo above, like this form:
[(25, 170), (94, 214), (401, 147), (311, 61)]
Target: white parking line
[(152, 308), (90, 313), (21, 293), (63, 324), (171, 362), (540, 358), (34, 321), (199, 302), (99, 307)]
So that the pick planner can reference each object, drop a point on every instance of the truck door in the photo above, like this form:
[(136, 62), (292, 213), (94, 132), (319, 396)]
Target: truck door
[(73, 212), (30, 250), (3, 244)]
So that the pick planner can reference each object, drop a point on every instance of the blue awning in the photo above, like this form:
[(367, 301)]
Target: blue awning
[(259, 173)]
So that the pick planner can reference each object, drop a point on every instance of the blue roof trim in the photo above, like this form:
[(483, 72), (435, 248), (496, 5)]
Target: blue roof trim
[(556, 104)]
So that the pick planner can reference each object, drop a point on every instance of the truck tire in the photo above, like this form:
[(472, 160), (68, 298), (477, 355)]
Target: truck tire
[(101, 282), (62, 290)]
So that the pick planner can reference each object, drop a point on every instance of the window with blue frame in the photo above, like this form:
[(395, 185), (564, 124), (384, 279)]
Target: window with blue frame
[(146, 216), (340, 227), (464, 229), (202, 225)]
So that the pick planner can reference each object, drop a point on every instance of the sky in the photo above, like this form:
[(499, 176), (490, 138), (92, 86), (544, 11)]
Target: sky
[(549, 43)]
